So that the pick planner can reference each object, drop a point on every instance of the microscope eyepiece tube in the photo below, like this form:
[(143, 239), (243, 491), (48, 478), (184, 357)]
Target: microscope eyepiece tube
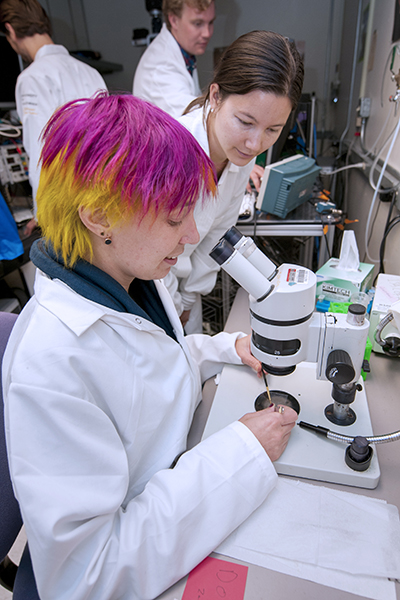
[(222, 251), (246, 246), (233, 236), (238, 267)]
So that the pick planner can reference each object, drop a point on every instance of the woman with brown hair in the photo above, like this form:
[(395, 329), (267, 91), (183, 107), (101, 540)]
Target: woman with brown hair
[(256, 86)]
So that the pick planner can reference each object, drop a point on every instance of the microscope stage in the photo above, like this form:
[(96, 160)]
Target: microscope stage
[(307, 454)]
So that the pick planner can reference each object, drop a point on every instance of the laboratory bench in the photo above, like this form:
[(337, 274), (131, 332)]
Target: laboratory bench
[(382, 388), (302, 222)]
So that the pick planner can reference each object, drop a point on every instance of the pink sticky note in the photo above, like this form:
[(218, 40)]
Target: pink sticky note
[(215, 579)]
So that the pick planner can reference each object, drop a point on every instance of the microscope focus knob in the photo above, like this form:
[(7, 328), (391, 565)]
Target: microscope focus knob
[(339, 367)]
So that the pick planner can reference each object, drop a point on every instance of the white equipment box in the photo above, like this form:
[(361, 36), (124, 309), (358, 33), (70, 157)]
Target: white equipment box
[(13, 163)]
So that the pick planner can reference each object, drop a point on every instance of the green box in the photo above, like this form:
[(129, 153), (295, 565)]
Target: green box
[(338, 285)]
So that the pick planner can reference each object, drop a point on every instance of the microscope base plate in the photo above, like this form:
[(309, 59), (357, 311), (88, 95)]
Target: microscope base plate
[(307, 455)]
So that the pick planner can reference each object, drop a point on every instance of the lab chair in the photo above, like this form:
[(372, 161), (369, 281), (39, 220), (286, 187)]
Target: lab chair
[(20, 580)]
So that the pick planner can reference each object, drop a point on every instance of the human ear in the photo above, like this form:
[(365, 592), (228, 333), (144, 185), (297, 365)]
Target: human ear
[(173, 20), (215, 99), (10, 32), (95, 221)]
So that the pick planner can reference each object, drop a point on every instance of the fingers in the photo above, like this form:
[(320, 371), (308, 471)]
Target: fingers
[(185, 317), (243, 350), (256, 176), (255, 364), (30, 226), (288, 414), (271, 428)]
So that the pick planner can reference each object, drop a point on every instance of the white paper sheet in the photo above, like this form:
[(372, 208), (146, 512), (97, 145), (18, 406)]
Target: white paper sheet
[(375, 588), (343, 540)]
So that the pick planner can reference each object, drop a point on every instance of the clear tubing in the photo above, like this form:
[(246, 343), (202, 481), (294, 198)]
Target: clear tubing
[(376, 193), (353, 72)]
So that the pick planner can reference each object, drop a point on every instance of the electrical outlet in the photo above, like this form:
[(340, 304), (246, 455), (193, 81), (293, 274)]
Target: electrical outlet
[(365, 107)]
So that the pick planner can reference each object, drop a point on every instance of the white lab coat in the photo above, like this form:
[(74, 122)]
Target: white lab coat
[(195, 273), (162, 78), (98, 404), (53, 79)]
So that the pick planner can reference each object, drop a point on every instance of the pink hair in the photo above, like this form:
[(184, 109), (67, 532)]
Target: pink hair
[(116, 154), (138, 148)]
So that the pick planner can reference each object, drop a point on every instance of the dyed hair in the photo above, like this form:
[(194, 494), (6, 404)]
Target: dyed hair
[(259, 60), (116, 155), (27, 17), (175, 7)]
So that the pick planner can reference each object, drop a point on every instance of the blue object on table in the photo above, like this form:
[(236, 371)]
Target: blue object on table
[(10, 243)]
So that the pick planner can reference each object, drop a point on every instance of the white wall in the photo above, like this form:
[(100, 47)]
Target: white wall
[(110, 25), (378, 86), (313, 22), (108, 30), (378, 83), (308, 22)]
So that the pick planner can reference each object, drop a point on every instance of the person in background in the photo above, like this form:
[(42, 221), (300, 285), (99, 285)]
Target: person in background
[(166, 74), (52, 78), (256, 85), (101, 384)]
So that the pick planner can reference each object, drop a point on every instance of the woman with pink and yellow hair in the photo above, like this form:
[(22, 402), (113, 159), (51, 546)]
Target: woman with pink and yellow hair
[(101, 384)]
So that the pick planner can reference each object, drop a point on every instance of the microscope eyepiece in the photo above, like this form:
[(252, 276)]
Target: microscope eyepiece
[(222, 251), (233, 235)]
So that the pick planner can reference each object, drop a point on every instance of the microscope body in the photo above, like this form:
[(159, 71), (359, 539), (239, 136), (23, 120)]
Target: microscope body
[(285, 328)]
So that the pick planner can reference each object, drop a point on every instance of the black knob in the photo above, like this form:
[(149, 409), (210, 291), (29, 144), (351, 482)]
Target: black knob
[(359, 454), (233, 235), (222, 251), (391, 345), (357, 309), (339, 368)]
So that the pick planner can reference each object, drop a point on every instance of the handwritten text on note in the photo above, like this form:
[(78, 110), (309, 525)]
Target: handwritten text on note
[(215, 579)]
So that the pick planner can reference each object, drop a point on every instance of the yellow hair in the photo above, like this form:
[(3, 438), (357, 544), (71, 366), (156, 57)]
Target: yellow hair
[(59, 197)]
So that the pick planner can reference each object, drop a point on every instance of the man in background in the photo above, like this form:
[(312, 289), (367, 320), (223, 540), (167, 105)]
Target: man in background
[(166, 74), (52, 78)]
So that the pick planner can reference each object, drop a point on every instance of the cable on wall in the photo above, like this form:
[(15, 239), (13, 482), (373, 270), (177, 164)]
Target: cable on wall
[(390, 223), (353, 72), (377, 191)]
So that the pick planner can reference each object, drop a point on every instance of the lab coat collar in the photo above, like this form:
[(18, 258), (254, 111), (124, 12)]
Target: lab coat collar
[(79, 313), (49, 49)]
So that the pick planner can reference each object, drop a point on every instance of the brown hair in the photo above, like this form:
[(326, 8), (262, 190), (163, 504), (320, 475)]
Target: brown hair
[(27, 17), (175, 7), (259, 60)]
